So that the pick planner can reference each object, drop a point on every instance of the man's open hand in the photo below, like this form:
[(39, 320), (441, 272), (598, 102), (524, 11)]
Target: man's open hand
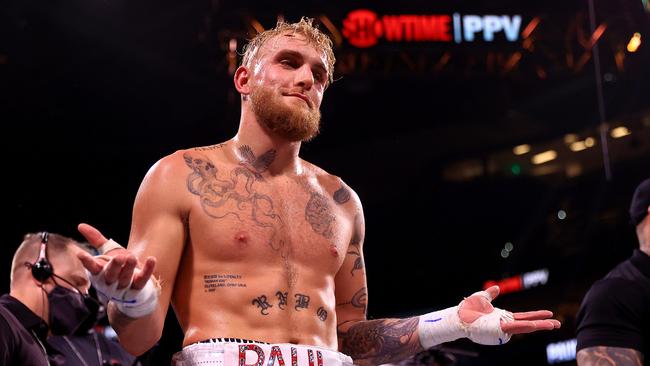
[(479, 304), (118, 264)]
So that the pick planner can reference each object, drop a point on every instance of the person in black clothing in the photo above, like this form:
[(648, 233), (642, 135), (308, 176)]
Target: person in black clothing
[(49, 296), (40, 300), (614, 319), (90, 346)]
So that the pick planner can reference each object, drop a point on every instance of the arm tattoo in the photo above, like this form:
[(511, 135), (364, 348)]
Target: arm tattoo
[(359, 300), (356, 233), (358, 264), (381, 341), (342, 195), (318, 215), (609, 356), (355, 243)]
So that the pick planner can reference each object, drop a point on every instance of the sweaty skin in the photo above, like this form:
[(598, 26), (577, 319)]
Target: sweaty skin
[(247, 239), (264, 250), (250, 241)]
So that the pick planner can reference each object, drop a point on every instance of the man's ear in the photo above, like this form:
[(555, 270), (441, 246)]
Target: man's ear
[(242, 80)]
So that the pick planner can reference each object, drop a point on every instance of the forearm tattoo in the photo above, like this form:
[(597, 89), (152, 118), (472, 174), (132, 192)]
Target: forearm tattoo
[(381, 341), (609, 356)]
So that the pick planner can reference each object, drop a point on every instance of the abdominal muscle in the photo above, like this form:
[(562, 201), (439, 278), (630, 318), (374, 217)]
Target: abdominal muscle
[(256, 304)]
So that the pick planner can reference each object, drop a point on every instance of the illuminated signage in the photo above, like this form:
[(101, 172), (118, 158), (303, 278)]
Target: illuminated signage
[(561, 351), (364, 28), (520, 282)]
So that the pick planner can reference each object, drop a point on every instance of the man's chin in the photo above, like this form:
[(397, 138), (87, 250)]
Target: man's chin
[(302, 135)]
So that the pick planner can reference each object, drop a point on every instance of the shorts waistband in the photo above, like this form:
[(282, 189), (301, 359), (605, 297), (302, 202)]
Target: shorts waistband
[(228, 340), (229, 352)]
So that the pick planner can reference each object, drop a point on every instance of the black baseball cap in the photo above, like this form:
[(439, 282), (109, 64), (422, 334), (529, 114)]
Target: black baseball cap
[(640, 202)]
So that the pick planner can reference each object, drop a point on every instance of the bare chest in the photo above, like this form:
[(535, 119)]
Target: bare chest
[(240, 218)]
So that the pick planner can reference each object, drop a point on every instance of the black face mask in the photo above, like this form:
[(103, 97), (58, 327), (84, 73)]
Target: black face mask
[(70, 311), (96, 312)]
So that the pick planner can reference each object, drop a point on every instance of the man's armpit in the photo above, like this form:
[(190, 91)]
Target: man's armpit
[(609, 356)]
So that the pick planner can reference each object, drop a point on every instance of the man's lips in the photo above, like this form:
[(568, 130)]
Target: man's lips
[(301, 96)]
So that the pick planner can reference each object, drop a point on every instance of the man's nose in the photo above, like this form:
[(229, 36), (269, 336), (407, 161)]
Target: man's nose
[(305, 77)]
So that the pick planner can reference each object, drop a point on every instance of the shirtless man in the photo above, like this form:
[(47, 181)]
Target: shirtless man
[(249, 241)]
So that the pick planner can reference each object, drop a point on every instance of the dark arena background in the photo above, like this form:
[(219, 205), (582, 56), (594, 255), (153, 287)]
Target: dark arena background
[(488, 140)]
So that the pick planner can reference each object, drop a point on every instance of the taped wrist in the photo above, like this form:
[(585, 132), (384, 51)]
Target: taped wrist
[(108, 246), (445, 326), (440, 327), (139, 303), (487, 329), (132, 303)]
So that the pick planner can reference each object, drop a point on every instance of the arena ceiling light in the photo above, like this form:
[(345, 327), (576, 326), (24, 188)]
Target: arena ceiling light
[(634, 43), (619, 132), (544, 157), (521, 149)]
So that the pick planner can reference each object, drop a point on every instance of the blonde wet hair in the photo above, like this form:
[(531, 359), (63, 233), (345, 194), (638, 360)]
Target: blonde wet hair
[(305, 28)]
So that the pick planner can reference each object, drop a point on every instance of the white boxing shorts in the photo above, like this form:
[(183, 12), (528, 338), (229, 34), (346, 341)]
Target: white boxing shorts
[(239, 352)]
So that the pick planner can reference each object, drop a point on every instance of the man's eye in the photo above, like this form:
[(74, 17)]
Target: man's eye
[(287, 62)]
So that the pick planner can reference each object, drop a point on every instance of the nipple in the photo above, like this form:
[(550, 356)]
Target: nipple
[(241, 237), (334, 250)]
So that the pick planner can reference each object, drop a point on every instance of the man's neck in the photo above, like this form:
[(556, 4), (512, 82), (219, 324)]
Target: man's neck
[(284, 153), (642, 233), (33, 301)]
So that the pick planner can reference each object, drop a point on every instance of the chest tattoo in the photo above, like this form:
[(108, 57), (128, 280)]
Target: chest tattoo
[(319, 215), (236, 194)]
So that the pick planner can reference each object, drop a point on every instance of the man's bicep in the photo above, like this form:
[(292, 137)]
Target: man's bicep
[(351, 285), (158, 226), (611, 356)]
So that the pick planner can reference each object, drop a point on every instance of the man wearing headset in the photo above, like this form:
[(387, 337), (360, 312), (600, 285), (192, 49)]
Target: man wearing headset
[(49, 296)]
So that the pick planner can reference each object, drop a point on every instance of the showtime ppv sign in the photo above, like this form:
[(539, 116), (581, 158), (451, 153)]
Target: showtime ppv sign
[(364, 28)]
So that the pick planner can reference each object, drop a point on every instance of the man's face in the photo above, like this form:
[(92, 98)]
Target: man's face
[(287, 85), (69, 267)]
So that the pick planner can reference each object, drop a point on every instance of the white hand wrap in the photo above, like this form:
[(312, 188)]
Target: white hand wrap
[(487, 329), (108, 246), (132, 303), (445, 326), (440, 327)]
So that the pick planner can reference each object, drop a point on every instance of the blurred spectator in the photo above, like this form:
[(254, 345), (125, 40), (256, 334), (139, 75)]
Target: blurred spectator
[(614, 319)]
